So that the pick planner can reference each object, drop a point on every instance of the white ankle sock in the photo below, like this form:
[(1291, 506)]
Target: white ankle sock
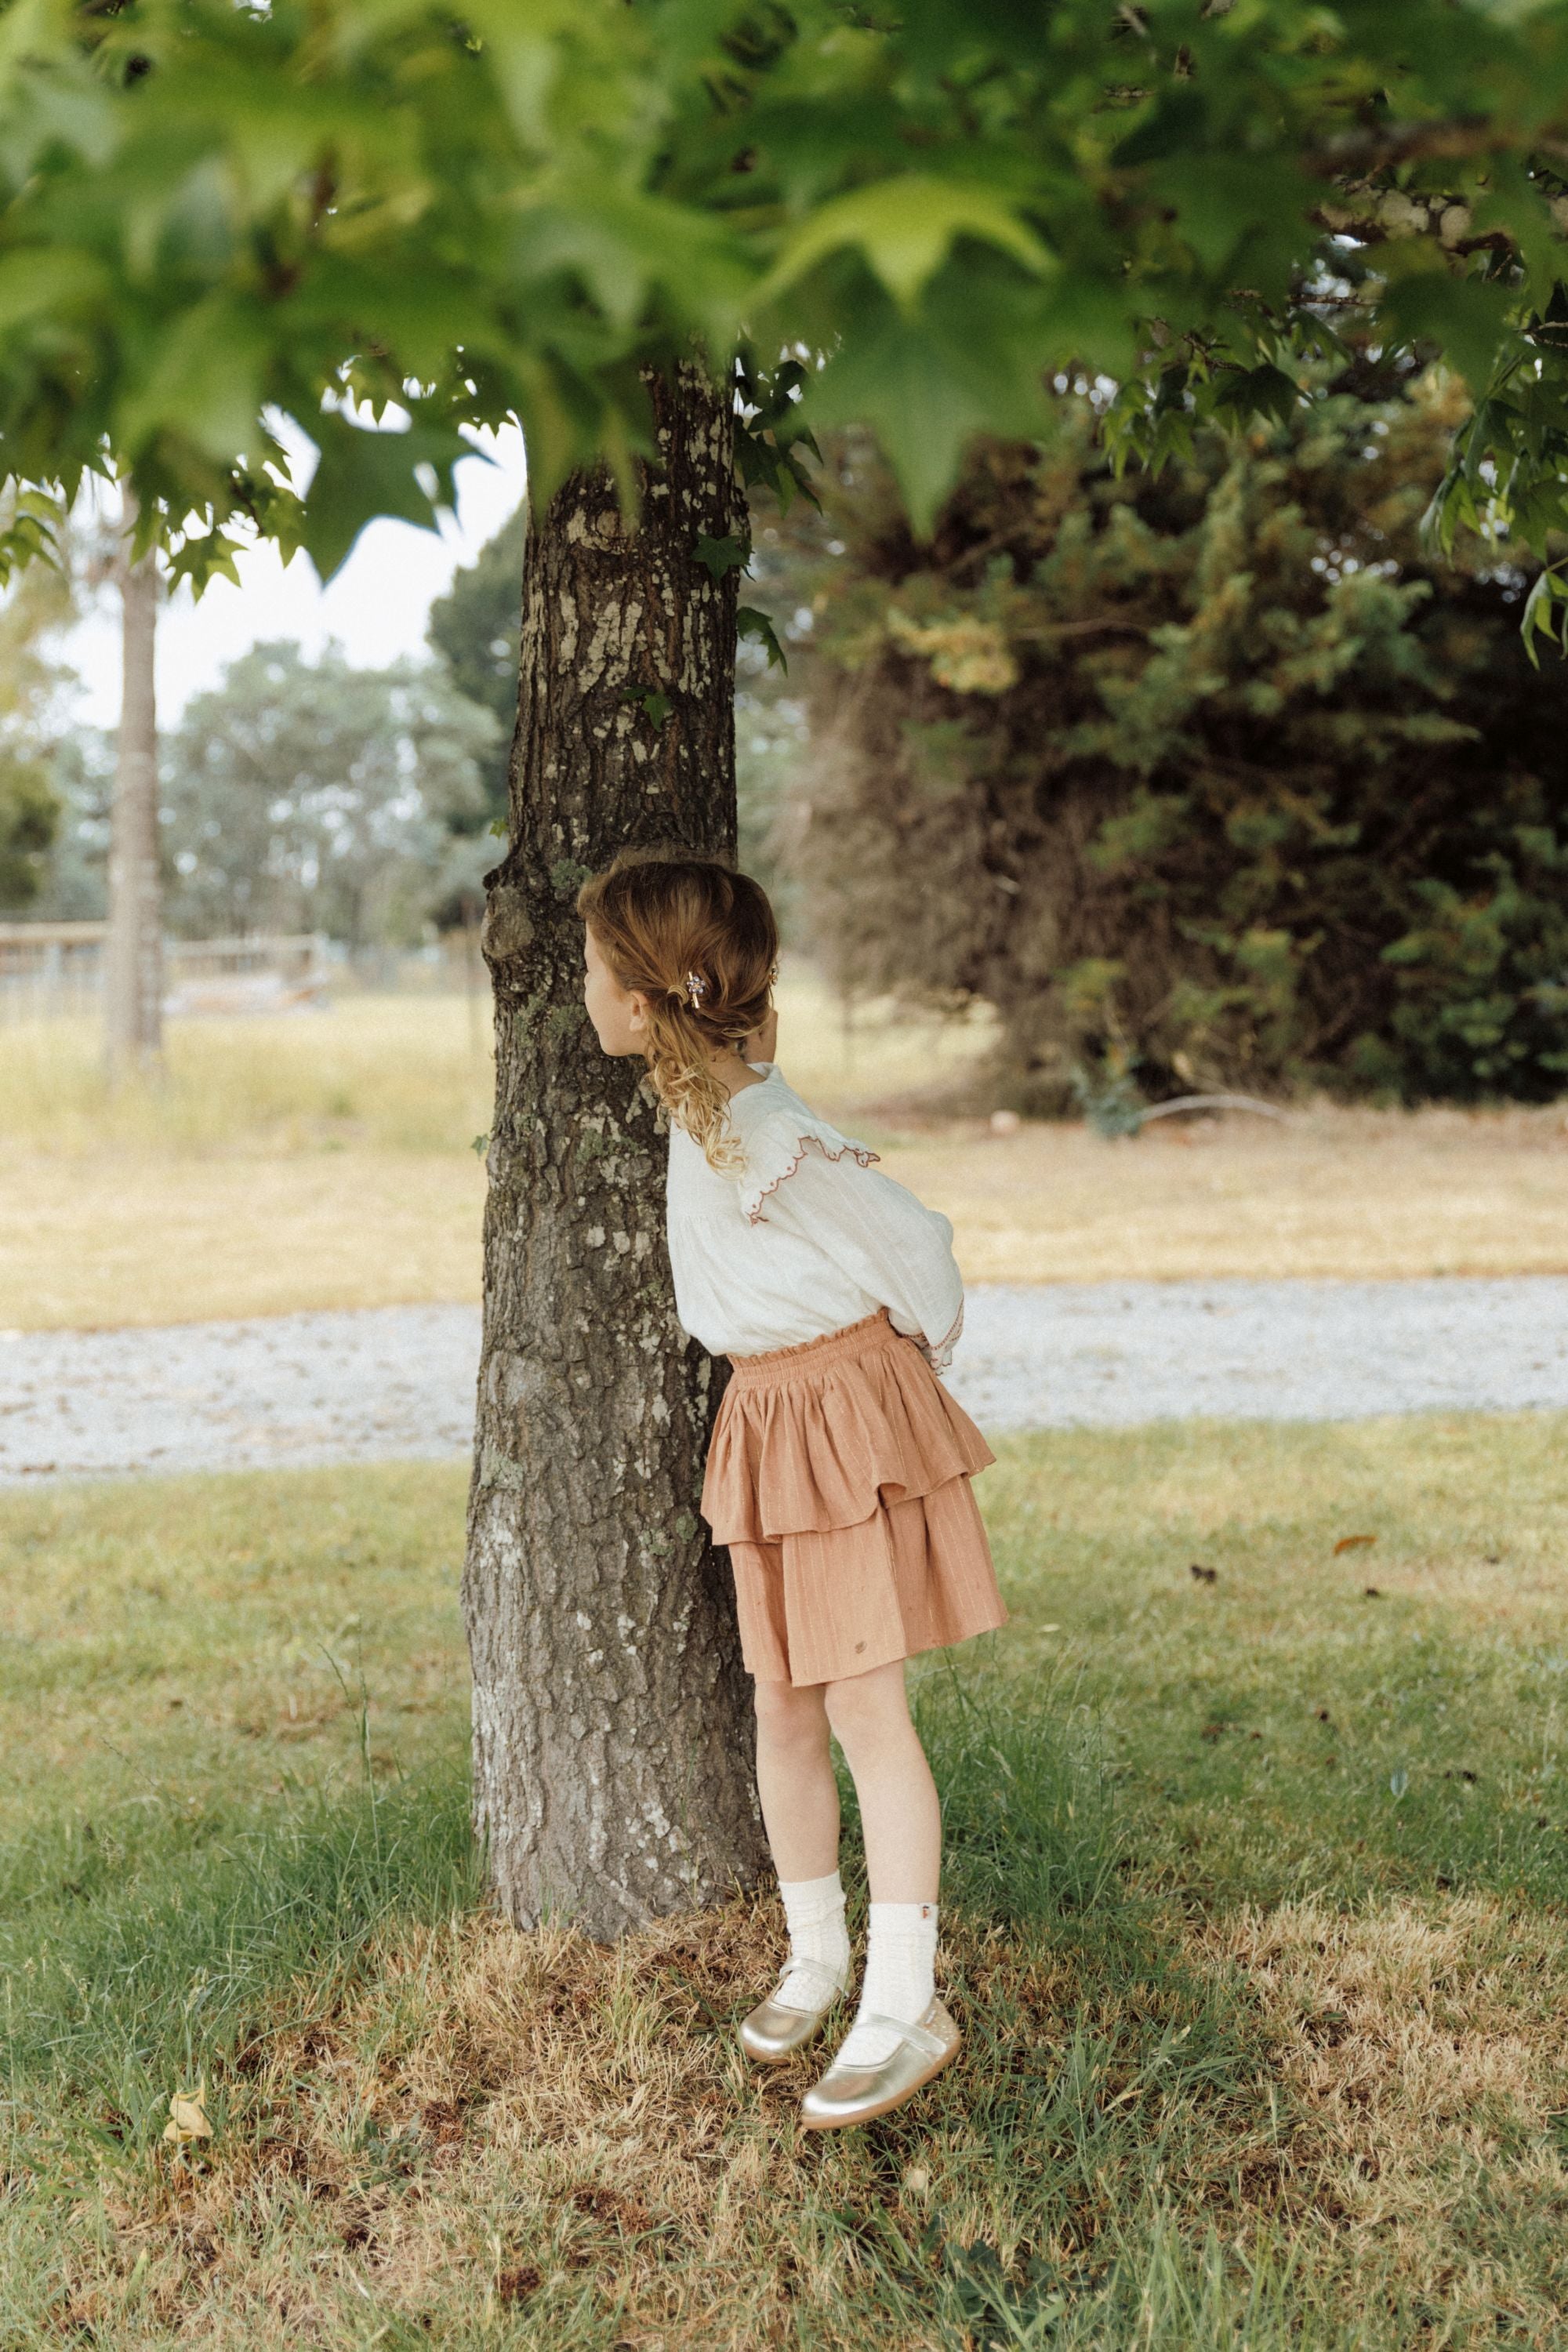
[(814, 1911), (900, 1963)]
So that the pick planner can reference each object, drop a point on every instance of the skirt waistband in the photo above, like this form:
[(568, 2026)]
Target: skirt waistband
[(788, 1363)]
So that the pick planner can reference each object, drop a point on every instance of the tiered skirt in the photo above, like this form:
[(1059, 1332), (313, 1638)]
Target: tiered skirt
[(838, 1477)]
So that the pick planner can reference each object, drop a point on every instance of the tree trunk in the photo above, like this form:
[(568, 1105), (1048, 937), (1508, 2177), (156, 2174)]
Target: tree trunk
[(612, 1729), (133, 974)]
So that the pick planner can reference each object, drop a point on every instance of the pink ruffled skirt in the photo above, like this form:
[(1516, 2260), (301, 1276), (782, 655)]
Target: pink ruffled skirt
[(839, 1476)]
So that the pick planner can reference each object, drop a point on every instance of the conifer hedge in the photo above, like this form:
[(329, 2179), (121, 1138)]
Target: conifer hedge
[(1211, 779)]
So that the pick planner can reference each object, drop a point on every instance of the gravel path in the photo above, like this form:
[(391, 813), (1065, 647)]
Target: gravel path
[(398, 1381)]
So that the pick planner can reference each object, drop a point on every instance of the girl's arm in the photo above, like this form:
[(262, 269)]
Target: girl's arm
[(891, 1244)]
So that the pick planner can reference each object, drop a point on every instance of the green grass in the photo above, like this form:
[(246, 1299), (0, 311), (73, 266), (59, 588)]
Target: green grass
[(1266, 2012), (211, 1783), (1283, 1728)]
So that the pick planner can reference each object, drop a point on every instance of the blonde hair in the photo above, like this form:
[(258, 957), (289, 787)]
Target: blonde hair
[(700, 943)]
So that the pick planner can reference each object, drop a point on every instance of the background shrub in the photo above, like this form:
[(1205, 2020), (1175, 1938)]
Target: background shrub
[(1212, 778)]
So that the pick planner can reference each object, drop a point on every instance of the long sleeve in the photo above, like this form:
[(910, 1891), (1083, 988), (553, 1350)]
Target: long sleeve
[(820, 1186)]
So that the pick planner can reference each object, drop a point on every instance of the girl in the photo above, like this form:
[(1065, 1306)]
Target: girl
[(839, 1468)]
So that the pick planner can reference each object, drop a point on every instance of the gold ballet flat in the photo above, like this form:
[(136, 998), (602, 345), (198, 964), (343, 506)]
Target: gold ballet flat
[(858, 2094), (775, 2030)]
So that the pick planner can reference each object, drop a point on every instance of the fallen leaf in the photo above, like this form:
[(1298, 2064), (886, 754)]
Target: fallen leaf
[(1204, 1575), (1374, 1592), (1049, 1629), (188, 2115), (1353, 1543)]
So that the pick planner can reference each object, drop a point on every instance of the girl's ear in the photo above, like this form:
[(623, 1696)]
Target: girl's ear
[(637, 1010)]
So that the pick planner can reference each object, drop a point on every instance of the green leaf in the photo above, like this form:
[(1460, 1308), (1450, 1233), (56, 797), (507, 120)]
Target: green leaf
[(1257, 391), (722, 555), (654, 704), (927, 387), (1546, 613), (1219, 199), (751, 622), (924, 414), (905, 227), (205, 384), (1467, 318), (1177, 121), (30, 537), (204, 557), (48, 282), (365, 474), (623, 243)]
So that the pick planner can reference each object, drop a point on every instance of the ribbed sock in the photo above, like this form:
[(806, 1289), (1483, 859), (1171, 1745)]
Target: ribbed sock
[(814, 1912), (900, 1979)]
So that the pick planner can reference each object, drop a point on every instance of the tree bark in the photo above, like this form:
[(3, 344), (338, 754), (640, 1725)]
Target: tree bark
[(612, 1726), (133, 972)]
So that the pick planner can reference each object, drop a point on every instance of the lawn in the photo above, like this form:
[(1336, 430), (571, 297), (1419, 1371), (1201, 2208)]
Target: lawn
[(1255, 1924), (325, 1160)]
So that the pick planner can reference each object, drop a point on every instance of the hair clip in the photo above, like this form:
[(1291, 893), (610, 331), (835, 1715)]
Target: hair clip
[(696, 988)]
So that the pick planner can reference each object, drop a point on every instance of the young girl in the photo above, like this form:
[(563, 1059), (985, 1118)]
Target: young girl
[(839, 1468)]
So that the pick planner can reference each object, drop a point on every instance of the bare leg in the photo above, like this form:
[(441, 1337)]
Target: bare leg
[(795, 1780), (899, 1807)]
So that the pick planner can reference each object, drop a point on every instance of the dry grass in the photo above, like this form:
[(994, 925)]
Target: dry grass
[(536, 2141), (371, 1074), (1425, 2050), (1360, 1195), (95, 1243), (325, 1162)]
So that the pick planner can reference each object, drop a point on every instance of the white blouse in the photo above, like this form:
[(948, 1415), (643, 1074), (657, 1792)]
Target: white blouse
[(805, 1240)]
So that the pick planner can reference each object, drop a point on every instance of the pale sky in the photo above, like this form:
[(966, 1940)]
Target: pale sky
[(375, 607)]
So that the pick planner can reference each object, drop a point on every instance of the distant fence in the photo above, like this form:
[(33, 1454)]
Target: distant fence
[(50, 969)]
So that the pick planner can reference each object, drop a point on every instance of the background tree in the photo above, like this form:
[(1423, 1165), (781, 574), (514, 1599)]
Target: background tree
[(134, 951), (474, 629), (29, 815), (73, 872), (339, 209), (33, 687), (1213, 778), (312, 796)]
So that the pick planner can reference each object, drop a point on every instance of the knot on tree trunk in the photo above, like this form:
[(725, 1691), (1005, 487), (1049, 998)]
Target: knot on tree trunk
[(507, 932)]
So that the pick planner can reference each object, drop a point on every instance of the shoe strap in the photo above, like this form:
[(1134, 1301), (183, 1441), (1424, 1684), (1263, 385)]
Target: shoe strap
[(829, 1984), (930, 2045)]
